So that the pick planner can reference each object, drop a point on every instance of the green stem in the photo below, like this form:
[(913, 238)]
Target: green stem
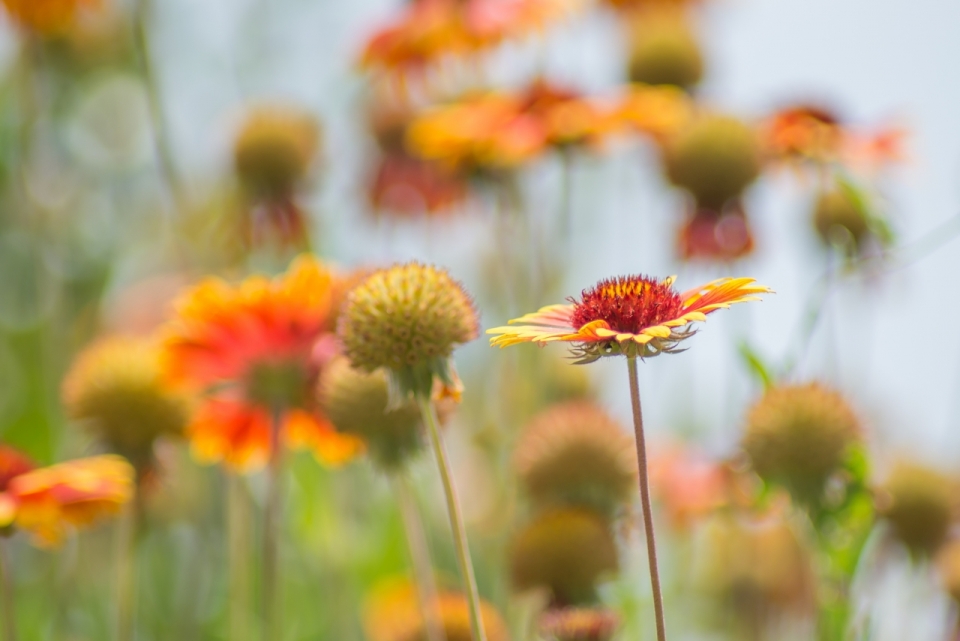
[(238, 556), (645, 498), (270, 584), (127, 570), (419, 557), (456, 517), (7, 593)]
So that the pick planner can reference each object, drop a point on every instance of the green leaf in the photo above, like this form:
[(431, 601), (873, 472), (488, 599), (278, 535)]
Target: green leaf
[(756, 365)]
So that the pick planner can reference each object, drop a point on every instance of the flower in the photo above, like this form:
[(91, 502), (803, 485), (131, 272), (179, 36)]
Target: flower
[(406, 186), (47, 501), (919, 504), (47, 17), (274, 148), (839, 219), (665, 51), (391, 613), (689, 485), (566, 117), (709, 234), (948, 565), (803, 132), (575, 453), (408, 319), (799, 436), (579, 624), (566, 551), (632, 316), (256, 348), (116, 388), (660, 112)]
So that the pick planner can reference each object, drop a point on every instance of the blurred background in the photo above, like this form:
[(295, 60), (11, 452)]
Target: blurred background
[(122, 183)]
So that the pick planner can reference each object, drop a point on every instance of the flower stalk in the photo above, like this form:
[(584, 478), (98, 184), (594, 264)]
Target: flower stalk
[(7, 593), (429, 413), (127, 536), (237, 517), (645, 498), (270, 583)]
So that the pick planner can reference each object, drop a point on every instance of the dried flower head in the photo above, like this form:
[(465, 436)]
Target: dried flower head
[(579, 624), (920, 504), (48, 501), (715, 159), (948, 565), (665, 51), (565, 551), (840, 220), (408, 319), (116, 388), (274, 149), (576, 453), (799, 436), (628, 315), (391, 613)]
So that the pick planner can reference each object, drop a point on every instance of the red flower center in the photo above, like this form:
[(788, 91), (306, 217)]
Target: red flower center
[(628, 304)]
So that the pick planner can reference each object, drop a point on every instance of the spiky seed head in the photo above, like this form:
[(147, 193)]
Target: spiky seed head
[(839, 220), (579, 624), (566, 551), (116, 388), (407, 319), (357, 403), (274, 149), (575, 453), (919, 504), (665, 51), (715, 159), (948, 565), (799, 436)]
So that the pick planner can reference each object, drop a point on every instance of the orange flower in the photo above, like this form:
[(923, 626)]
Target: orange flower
[(630, 316), (566, 117), (47, 501), (804, 132), (407, 186), (258, 347), (691, 486), (659, 112), (46, 17)]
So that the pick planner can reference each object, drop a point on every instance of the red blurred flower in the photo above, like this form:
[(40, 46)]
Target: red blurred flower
[(722, 235)]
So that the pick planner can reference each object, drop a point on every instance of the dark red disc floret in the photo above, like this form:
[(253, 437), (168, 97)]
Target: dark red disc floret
[(628, 304)]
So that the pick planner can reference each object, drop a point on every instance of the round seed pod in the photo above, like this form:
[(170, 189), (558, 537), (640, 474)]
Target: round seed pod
[(798, 436), (666, 52), (715, 159), (274, 149), (575, 453), (919, 504), (565, 551), (838, 220)]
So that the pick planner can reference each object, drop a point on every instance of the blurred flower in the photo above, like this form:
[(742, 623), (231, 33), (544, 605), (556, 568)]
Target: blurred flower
[(407, 186), (690, 486), (566, 551), (47, 17), (948, 565), (575, 453), (274, 149), (841, 220), (715, 159), (631, 316), (257, 347), (391, 613), (664, 50), (660, 112), (116, 389), (756, 566), (47, 501), (579, 624), (429, 30), (408, 319), (713, 235), (634, 5), (803, 132), (920, 505), (566, 117), (800, 436)]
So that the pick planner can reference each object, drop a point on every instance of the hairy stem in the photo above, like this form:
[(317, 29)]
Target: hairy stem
[(456, 517), (645, 498)]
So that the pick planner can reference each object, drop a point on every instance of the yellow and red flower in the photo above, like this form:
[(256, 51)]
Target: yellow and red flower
[(47, 501), (659, 112), (630, 316), (257, 347)]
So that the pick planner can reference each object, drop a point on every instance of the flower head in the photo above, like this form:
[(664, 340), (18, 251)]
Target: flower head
[(799, 436), (391, 613), (948, 564), (116, 388), (579, 624), (47, 501), (273, 150), (920, 505), (665, 51), (575, 453), (839, 219), (256, 348), (408, 319), (627, 315), (709, 234), (660, 112), (689, 485), (566, 551), (46, 17), (803, 132)]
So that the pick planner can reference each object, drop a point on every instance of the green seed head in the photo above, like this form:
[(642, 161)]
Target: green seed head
[(666, 52), (838, 220), (919, 504)]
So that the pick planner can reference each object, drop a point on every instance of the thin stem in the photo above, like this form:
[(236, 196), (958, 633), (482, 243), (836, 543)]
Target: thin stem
[(8, 596), (419, 557), (456, 517), (127, 570), (270, 584), (238, 557), (645, 498)]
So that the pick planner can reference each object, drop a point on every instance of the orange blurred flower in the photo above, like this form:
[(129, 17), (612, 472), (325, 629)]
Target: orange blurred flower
[(659, 112), (567, 117), (690, 486), (257, 347), (47, 17), (47, 501), (432, 29)]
